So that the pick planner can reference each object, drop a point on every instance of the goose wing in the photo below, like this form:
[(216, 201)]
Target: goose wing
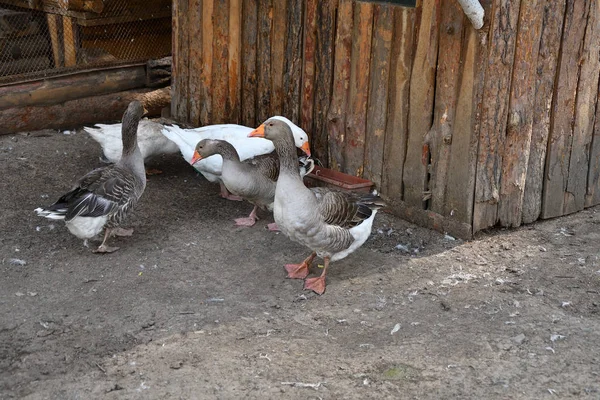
[(345, 209)]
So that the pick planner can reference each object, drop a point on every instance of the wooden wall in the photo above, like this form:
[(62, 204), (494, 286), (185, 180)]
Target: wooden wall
[(460, 129)]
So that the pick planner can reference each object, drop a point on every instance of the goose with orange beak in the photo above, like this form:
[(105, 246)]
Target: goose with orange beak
[(332, 223)]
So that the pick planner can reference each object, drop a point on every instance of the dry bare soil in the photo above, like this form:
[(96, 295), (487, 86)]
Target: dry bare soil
[(192, 307)]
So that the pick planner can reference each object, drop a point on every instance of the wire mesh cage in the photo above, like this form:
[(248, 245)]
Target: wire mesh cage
[(40, 38)]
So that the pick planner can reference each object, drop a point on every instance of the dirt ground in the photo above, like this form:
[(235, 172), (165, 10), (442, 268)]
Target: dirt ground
[(192, 307)]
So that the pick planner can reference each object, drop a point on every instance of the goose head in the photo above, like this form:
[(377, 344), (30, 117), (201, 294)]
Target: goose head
[(279, 128), (206, 148)]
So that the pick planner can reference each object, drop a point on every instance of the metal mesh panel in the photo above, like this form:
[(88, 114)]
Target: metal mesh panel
[(40, 38)]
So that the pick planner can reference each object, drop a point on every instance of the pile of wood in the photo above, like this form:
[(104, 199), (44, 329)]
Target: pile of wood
[(23, 47)]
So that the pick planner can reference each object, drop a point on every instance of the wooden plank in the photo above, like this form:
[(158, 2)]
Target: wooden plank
[(460, 188), (83, 84), (234, 62), (547, 64), (277, 56), (193, 79), (563, 109), (86, 110), (515, 159), (220, 56), (396, 133), (307, 98), (336, 117), (439, 138), (593, 182), (292, 69), (69, 32), (323, 78), (421, 97), (356, 119), (206, 61), (263, 60), (378, 93), (183, 88), (249, 40), (503, 29), (585, 110), (54, 38)]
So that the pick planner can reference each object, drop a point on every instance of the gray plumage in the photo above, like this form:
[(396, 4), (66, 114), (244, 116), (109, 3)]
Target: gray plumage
[(103, 197), (253, 179), (331, 223)]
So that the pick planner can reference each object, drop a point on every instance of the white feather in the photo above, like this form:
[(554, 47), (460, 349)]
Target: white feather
[(86, 227)]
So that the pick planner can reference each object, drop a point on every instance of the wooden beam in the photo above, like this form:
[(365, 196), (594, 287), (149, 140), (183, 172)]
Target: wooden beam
[(307, 94), (203, 64), (323, 78), (54, 39), (235, 61), (182, 89), (546, 67), (356, 119), (440, 136), (515, 158), (336, 117), (422, 92), (263, 60), (249, 41), (61, 89), (396, 133), (221, 107), (278, 56), (378, 93), (585, 112), (69, 40), (292, 69), (593, 182), (87, 110), (494, 112), (563, 109)]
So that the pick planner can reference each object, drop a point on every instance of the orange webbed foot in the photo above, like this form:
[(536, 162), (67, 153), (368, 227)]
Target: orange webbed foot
[(297, 271), (317, 285)]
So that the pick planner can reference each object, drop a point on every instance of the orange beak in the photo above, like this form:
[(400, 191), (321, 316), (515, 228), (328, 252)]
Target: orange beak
[(306, 148), (197, 157), (258, 132)]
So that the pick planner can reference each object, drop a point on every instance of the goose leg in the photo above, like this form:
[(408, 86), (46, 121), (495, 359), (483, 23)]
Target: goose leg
[(121, 232), (103, 248), (250, 220), (300, 271), (226, 195), (317, 285), (273, 227)]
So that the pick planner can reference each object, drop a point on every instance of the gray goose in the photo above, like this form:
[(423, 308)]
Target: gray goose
[(253, 179), (331, 223), (103, 197)]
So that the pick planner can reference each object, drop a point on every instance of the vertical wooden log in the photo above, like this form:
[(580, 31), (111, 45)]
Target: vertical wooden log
[(249, 81), (307, 95), (494, 111), (69, 32), (180, 66), (354, 149), (263, 59), (206, 71), (396, 133), (277, 56), (422, 91), (221, 107), (585, 110), (336, 117), (292, 70), (563, 109), (439, 138), (234, 63), (460, 188), (547, 64), (378, 93), (194, 92), (292, 67), (515, 159), (323, 78), (593, 181), (54, 38)]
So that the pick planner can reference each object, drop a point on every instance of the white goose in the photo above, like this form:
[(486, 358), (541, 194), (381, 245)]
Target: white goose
[(237, 135), (151, 141), (331, 223)]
